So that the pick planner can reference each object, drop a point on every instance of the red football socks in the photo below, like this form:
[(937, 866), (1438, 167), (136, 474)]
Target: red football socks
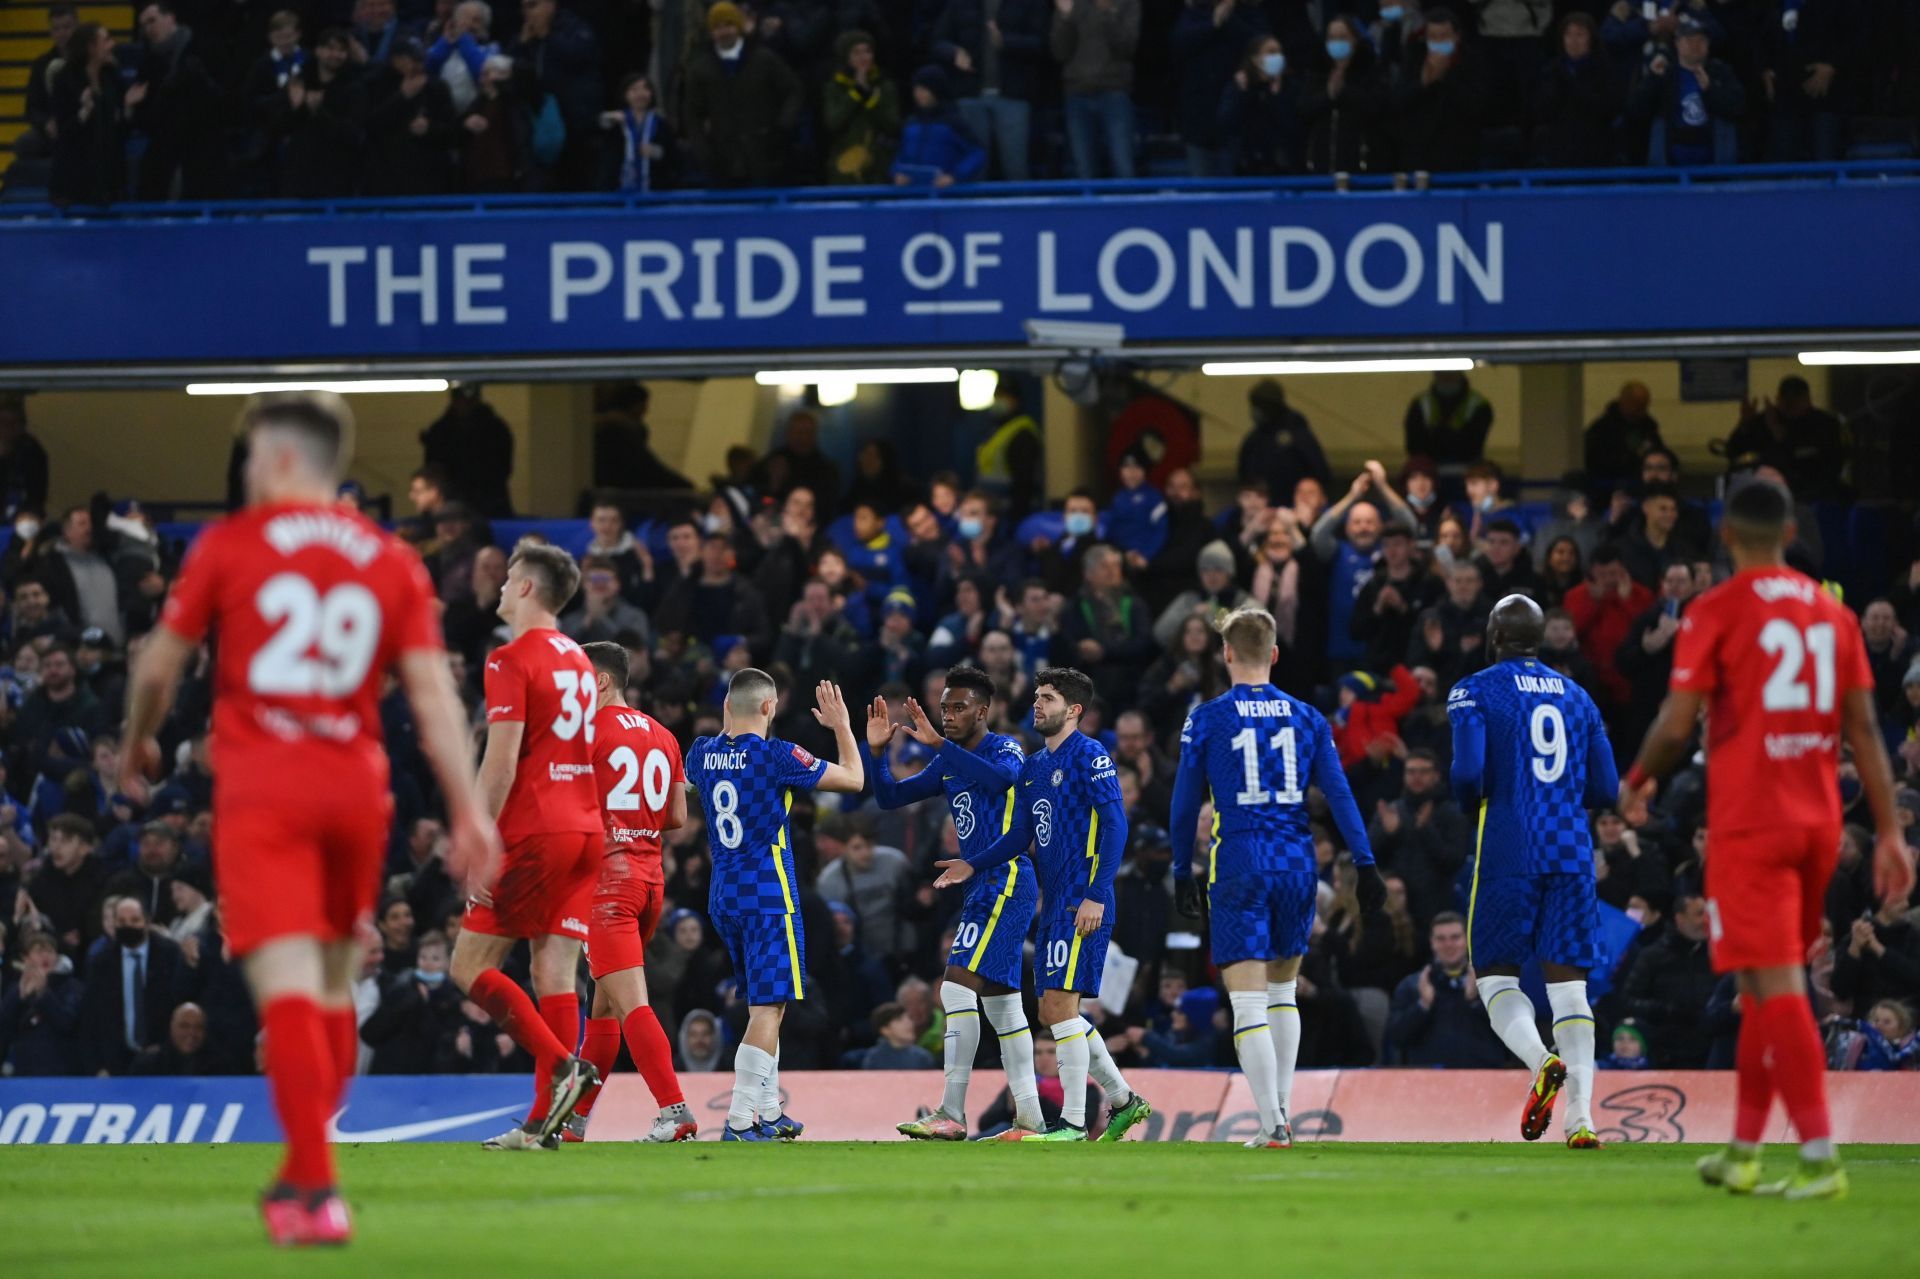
[(601, 1047), (652, 1056), (1754, 1090), (512, 1010), (301, 1072), (343, 1041), (561, 1013), (1799, 1063)]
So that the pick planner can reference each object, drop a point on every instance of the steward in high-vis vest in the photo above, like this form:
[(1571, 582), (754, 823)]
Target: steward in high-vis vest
[(1448, 422), (1007, 463)]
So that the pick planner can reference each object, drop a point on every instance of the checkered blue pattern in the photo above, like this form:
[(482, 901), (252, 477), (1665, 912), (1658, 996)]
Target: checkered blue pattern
[(1061, 790), (767, 953), (982, 814), (1259, 794), (1068, 962), (990, 936), (745, 786), (1262, 916), (1552, 918), (1543, 737)]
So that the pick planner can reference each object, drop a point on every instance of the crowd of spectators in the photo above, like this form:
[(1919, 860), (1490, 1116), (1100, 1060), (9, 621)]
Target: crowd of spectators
[(336, 98), (113, 953)]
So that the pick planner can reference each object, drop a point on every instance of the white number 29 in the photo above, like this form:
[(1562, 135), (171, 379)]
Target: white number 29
[(1785, 691), (324, 643)]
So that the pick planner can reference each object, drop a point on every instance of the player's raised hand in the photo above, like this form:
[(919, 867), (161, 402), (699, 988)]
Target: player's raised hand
[(138, 761), (830, 708), (1087, 920), (880, 725), (953, 872), (1892, 868), (921, 729), (1634, 800)]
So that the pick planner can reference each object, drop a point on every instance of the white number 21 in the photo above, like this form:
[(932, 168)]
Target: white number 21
[(1785, 690)]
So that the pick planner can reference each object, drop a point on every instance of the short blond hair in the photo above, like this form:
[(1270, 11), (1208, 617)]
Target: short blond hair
[(1249, 632)]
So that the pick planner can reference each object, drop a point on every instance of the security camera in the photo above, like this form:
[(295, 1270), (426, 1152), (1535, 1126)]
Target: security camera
[(1075, 335)]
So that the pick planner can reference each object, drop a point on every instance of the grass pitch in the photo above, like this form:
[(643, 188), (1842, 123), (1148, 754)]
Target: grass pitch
[(1136, 1209)]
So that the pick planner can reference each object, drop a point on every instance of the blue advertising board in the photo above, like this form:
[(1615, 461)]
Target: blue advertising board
[(88, 1111), (1227, 265)]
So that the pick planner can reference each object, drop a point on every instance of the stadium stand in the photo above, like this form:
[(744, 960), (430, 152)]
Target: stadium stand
[(881, 579)]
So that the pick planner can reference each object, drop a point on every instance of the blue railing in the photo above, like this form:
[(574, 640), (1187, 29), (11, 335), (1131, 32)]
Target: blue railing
[(1535, 181)]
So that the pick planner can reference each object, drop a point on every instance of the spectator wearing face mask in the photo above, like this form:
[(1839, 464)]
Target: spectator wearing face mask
[(1344, 104), (417, 1027), (1210, 42), (132, 988), (1260, 113), (1440, 102)]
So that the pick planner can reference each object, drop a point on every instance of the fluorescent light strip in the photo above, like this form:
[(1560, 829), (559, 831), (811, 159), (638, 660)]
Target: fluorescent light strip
[(1819, 358), (368, 386), (867, 377), (1289, 368)]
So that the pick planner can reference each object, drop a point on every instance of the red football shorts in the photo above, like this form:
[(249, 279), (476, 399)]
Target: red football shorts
[(545, 888), (626, 910), (297, 870), (1766, 893)]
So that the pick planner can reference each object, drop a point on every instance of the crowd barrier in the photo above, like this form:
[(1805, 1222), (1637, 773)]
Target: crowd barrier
[(1189, 1105)]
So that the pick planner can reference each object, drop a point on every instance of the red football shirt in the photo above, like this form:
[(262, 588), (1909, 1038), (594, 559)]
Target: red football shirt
[(544, 681), (638, 765), (1775, 656), (311, 606)]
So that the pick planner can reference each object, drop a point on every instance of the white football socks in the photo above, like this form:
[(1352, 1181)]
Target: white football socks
[(1009, 1022), (1070, 1038), (1105, 1071), (1254, 1046), (771, 1106), (1573, 1040), (960, 1045), (751, 1067), (1283, 1024), (1511, 1013)]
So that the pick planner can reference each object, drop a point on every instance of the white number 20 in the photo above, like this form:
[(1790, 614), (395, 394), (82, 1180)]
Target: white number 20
[(324, 644), (652, 778), (1784, 690)]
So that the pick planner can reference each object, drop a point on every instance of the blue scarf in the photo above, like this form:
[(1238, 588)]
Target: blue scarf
[(636, 166), (285, 69)]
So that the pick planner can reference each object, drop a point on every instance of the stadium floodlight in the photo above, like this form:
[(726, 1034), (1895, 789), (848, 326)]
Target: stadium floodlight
[(833, 391), (976, 389), (357, 386), (870, 377), (1826, 358), (1295, 368)]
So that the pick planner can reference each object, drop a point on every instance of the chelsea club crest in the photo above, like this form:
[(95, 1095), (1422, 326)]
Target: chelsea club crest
[(1058, 776)]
